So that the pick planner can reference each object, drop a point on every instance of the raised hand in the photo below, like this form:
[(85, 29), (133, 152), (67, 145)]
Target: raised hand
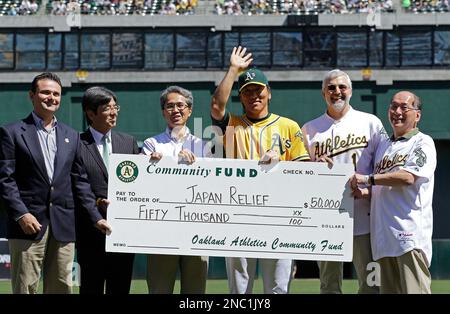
[(239, 59)]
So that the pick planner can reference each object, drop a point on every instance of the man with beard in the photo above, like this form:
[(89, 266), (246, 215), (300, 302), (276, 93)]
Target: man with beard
[(343, 134)]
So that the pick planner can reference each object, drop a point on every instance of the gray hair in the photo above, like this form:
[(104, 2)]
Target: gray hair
[(417, 102), (178, 90), (334, 74)]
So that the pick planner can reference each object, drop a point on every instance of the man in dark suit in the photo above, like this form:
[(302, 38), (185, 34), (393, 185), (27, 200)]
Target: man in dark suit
[(97, 266), (40, 173)]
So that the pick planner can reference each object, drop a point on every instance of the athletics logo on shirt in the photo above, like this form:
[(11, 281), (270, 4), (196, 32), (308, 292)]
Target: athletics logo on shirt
[(421, 157), (300, 135), (388, 163), (336, 145), (384, 133), (127, 171)]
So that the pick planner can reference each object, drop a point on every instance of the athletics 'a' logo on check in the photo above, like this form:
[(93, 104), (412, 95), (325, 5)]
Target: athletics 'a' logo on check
[(127, 171)]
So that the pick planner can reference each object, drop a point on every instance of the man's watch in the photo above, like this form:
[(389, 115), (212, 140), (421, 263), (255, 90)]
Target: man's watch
[(372, 179)]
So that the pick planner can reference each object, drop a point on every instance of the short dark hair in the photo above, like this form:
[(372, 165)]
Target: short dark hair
[(95, 97), (177, 90), (44, 76)]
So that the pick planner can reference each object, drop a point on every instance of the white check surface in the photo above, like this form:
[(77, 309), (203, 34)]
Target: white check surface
[(227, 207)]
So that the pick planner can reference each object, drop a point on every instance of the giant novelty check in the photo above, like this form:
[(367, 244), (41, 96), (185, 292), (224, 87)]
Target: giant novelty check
[(226, 207)]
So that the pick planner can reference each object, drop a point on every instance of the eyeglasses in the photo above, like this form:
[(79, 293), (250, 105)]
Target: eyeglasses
[(403, 108), (109, 109), (179, 105), (342, 87)]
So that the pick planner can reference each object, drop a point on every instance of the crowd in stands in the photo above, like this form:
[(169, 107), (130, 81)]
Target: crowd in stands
[(258, 7), (122, 7), (18, 7), (222, 7), (178, 7), (229, 7), (424, 6)]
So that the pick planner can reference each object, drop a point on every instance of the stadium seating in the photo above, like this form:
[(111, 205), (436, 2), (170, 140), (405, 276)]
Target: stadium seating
[(221, 7), (121, 7), (258, 7), (428, 6), (19, 7)]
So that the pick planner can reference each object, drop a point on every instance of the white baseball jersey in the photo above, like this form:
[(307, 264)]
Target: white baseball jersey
[(402, 216), (352, 139)]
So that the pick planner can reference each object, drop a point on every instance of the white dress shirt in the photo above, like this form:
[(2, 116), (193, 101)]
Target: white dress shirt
[(168, 145), (98, 140)]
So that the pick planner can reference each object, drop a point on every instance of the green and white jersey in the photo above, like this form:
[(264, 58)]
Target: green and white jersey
[(402, 216), (352, 139)]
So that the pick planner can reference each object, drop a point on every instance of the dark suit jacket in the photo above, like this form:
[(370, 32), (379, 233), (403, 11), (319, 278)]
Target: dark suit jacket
[(98, 176), (25, 187)]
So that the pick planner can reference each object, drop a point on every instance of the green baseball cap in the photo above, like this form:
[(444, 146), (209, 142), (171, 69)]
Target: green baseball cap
[(252, 76)]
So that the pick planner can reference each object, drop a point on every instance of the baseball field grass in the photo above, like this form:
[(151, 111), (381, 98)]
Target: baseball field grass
[(298, 286)]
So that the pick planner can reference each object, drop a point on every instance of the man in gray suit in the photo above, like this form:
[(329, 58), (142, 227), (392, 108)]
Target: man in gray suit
[(100, 268), (40, 175)]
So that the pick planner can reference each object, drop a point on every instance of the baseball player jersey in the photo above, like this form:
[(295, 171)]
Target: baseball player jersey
[(247, 139), (352, 139), (402, 216)]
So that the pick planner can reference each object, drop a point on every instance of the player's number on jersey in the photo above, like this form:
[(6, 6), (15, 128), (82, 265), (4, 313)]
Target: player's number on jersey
[(354, 160)]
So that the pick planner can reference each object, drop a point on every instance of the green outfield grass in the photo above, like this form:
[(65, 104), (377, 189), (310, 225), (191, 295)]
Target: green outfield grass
[(298, 286)]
